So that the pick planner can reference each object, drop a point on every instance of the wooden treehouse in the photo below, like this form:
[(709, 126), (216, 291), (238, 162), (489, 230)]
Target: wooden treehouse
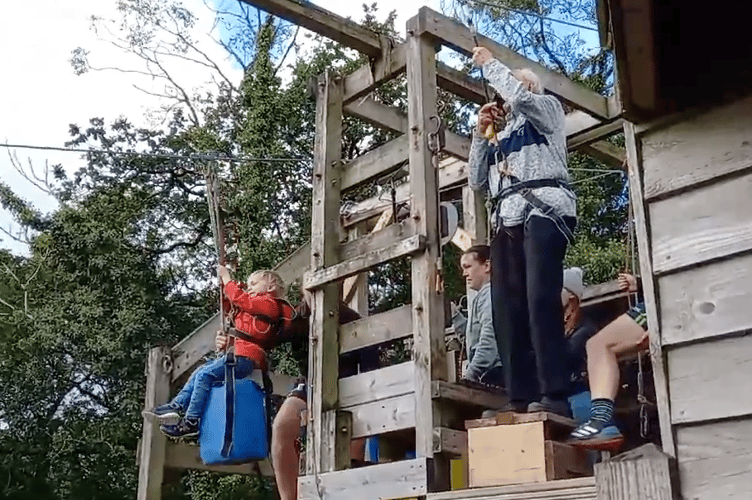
[(690, 171)]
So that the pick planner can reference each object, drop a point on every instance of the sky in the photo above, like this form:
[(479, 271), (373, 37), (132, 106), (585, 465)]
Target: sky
[(40, 96)]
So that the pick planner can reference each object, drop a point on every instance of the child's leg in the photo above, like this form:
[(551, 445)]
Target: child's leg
[(184, 396), (210, 373)]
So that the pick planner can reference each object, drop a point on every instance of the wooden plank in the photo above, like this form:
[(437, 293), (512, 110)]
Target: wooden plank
[(707, 301), (512, 418), (577, 138), (375, 163), (380, 417), (291, 269), (564, 489), (457, 36), (474, 216), (698, 149), (711, 380), (379, 238), (715, 460), (384, 383), (337, 424), (701, 225), (185, 456), (428, 307), (404, 479), (365, 79), (610, 154), (647, 477), (643, 223), (312, 17), (187, 353), (153, 442), (467, 395), (315, 279), (390, 325), (324, 346), (449, 441)]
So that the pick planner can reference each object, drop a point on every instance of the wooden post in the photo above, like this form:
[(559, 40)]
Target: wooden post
[(153, 442), (324, 343), (428, 309), (641, 474), (642, 225), (474, 215)]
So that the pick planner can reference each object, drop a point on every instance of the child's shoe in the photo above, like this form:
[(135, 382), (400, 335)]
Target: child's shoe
[(596, 435), (169, 413), (185, 428)]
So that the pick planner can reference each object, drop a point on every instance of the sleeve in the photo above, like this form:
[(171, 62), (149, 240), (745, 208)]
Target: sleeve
[(543, 111), (262, 305), (459, 322), (478, 163), (486, 351)]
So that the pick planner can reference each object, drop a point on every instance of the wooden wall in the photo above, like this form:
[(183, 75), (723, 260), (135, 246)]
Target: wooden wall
[(697, 193)]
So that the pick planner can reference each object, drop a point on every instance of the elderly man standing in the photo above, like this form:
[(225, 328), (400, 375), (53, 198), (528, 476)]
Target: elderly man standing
[(524, 168)]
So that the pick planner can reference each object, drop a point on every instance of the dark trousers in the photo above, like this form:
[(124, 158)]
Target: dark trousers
[(526, 281)]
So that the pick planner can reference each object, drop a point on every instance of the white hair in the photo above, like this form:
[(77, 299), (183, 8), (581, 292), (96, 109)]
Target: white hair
[(530, 79)]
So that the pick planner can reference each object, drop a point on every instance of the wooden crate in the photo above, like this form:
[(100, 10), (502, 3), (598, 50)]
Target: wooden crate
[(520, 453)]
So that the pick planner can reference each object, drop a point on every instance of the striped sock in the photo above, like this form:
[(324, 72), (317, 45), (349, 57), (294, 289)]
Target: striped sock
[(602, 411)]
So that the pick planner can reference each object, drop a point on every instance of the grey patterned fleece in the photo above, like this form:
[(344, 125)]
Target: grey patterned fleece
[(542, 160)]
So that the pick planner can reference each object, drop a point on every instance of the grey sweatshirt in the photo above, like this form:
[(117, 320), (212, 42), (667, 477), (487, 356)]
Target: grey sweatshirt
[(533, 143), (482, 351)]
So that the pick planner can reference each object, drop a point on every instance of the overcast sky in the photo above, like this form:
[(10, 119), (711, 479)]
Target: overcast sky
[(40, 95)]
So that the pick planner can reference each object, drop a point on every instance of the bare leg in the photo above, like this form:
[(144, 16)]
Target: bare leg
[(285, 431), (621, 336)]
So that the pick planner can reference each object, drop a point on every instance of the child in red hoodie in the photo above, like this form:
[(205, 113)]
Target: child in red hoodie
[(256, 312)]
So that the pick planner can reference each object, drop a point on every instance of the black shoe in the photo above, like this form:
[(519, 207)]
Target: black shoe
[(558, 406), (166, 413), (183, 429)]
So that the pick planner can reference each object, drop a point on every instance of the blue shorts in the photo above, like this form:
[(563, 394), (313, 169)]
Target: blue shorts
[(638, 314)]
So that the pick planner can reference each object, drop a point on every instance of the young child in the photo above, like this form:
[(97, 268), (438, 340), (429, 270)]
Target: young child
[(256, 312)]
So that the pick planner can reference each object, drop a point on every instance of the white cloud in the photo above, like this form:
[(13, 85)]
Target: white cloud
[(40, 95)]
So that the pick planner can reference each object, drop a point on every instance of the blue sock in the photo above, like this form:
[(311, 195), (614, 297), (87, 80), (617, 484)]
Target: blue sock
[(602, 411)]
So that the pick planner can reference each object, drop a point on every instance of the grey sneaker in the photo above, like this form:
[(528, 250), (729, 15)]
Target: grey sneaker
[(165, 414), (558, 406)]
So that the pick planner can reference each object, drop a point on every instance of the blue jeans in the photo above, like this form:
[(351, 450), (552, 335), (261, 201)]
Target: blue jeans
[(195, 392)]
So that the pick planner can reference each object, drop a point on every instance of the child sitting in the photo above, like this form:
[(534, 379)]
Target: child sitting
[(257, 313)]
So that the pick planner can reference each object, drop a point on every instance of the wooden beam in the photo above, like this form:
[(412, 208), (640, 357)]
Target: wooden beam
[(404, 479), (185, 456), (153, 442), (561, 489), (383, 327), (457, 36), (324, 347), (610, 154), (390, 63), (375, 163), (337, 425), (187, 353), (384, 383), (577, 138), (408, 246), (449, 441), (384, 416), (642, 223), (294, 265), (459, 393), (312, 17)]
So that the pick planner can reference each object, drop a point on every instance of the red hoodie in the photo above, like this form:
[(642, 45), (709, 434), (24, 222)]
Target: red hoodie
[(257, 316)]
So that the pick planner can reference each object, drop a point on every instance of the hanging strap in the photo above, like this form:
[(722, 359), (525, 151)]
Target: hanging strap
[(229, 403), (268, 389)]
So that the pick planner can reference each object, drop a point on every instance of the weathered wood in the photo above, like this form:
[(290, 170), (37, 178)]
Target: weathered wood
[(355, 288), (153, 442), (187, 353), (610, 154), (602, 292), (474, 216), (707, 301), (467, 395), (564, 489), (562, 424), (363, 80), (403, 479), (647, 476), (457, 36), (428, 317), (390, 325), (324, 346), (384, 383), (711, 380), (337, 424), (701, 225), (576, 138), (323, 22), (410, 245), (375, 163), (291, 269), (185, 456), (379, 238), (449, 441), (386, 415), (643, 229), (699, 149), (715, 460)]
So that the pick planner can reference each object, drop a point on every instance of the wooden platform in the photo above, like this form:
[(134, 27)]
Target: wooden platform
[(565, 489)]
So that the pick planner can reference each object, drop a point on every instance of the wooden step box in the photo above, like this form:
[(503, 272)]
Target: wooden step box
[(516, 448)]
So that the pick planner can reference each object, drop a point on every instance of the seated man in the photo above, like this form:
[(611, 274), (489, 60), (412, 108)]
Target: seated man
[(626, 334), (484, 363), (578, 329), (286, 430)]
